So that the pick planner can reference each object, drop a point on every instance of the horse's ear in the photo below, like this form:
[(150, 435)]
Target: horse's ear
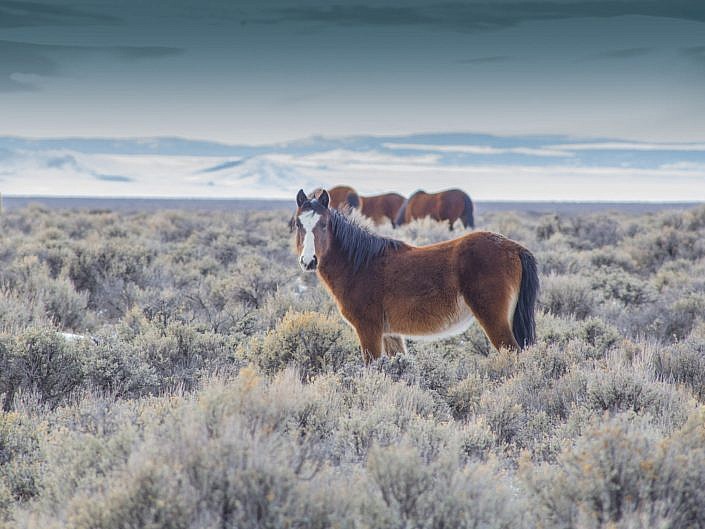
[(324, 199), (300, 198)]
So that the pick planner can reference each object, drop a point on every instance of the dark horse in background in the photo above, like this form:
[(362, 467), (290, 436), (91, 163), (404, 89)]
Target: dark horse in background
[(387, 289), (448, 205)]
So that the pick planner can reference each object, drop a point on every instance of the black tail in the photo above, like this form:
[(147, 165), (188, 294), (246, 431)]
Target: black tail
[(399, 219), (524, 326), (468, 218)]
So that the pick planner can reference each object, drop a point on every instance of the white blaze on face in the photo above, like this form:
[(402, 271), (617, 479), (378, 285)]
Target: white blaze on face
[(308, 221)]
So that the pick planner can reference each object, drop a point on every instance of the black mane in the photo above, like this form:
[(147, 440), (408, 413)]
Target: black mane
[(359, 245)]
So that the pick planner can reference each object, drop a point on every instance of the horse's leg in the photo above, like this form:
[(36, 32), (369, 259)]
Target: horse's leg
[(494, 317), (370, 343), (394, 344)]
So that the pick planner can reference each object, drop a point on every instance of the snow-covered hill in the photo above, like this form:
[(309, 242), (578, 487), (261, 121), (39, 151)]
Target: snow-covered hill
[(488, 167)]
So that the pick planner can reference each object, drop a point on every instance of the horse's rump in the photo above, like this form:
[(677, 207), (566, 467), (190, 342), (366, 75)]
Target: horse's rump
[(381, 207), (449, 205)]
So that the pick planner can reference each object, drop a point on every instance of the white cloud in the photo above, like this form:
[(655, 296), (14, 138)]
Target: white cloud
[(684, 166), (627, 146), (339, 156), (479, 149)]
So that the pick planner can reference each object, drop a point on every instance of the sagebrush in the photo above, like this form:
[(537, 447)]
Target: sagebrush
[(206, 382)]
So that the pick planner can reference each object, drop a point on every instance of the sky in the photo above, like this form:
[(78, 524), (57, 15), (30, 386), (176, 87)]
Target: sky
[(273, 72)]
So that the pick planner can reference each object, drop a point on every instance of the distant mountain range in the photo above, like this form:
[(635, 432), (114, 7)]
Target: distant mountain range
[(488, 167)]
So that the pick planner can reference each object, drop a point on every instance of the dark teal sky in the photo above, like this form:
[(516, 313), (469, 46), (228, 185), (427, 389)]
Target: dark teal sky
[(256, 72)]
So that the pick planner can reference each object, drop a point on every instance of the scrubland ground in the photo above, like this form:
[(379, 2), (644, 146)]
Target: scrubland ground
[(218, 387)]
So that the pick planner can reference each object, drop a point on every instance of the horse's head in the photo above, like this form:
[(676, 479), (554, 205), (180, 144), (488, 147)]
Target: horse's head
[(316, 193), (313, 231)]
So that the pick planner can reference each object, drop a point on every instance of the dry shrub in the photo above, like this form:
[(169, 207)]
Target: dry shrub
[(548, 226), (118, 368), (618, 284), (620, 388), (195, 479), (439, 494), (180, 354), (39, 361), (312, 342), (622, 471), (20, 461), (568, 295), (464, 395), (594, 231), (683, 363), (152, 420)]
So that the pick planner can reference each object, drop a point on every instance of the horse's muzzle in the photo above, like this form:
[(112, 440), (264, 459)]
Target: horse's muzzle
[(310, 266)]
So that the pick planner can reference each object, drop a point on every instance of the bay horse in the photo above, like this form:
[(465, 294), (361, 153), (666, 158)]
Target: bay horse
[(376, 207), (341, 197), (387, 289), (449, 205), (381, 207)]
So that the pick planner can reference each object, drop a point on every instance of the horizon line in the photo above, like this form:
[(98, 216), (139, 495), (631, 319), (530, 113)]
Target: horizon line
[(297, 139), (4, 196)]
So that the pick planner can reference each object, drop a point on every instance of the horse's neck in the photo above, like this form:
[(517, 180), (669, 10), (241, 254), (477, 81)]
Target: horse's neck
[(336, 272)]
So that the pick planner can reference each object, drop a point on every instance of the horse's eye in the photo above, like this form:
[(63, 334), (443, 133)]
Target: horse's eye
[(298, 224)]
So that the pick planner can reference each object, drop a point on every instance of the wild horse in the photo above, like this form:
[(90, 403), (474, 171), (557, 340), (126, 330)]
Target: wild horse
[(387, 289), (449, 205)]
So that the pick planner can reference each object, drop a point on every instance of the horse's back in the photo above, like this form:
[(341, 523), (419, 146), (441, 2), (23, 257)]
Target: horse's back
[(462, 256), (486, 249)]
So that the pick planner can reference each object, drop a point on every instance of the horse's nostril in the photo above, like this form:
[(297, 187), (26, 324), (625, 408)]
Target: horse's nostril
[(312, 264)]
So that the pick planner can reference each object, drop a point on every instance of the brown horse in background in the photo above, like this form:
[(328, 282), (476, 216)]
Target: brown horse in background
[(387, 289), (376, 207), (341, 197), (381, 207), (448, 205)]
